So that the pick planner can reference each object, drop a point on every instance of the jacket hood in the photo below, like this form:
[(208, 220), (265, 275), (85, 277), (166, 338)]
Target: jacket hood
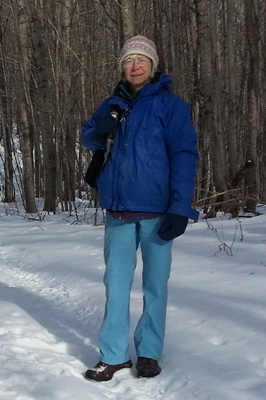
[(163, 80)]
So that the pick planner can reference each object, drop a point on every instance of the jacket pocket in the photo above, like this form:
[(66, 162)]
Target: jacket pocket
[(160, 177)]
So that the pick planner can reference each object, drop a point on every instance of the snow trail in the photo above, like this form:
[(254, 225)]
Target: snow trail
[(52, 304)]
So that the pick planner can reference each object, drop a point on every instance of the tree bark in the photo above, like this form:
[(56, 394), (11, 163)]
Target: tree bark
[(5, 126), (232, 133), (205, 91), (158, 39), (127, 10), (24, 123), (217, 138), (44, 106), (67, 105), (253, 38)]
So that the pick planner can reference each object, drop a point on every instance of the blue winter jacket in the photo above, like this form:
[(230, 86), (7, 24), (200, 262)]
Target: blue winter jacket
[(153, 162)]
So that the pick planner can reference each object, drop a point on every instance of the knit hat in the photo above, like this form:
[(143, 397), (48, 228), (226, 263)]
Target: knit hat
[(139, 45)]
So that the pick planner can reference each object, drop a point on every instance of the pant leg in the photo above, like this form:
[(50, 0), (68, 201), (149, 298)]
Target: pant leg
[(156, 255), (120, 258)]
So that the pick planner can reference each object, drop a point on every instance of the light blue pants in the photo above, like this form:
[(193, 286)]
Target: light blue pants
[(122, 238)]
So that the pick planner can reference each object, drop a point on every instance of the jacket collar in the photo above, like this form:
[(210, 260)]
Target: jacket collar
[(159, 81)]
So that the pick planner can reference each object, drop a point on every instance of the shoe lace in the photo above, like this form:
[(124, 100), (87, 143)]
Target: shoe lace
[(100, 366)]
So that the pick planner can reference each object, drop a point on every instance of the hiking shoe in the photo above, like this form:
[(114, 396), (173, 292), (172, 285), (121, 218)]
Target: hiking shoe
[(105, 372), (147, 367)]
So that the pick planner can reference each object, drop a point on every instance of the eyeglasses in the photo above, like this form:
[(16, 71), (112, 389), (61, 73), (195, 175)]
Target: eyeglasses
[(141, 62)]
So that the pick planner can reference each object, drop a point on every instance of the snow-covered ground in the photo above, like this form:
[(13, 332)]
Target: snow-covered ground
[(52, 303)]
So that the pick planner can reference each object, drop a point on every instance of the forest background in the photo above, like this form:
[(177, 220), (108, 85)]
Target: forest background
[(59, 61)]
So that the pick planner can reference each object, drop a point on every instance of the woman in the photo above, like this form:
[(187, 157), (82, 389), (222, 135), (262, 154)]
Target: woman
[(146, 186)]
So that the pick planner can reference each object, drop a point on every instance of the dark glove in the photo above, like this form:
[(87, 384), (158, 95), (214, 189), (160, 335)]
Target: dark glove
[(106, 126), (174, 225)]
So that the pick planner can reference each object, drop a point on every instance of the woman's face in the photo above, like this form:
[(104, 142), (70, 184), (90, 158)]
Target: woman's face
[(137, 69)]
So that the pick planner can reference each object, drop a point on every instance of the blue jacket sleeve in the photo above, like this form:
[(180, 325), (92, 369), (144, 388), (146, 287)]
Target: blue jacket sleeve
[(181, 142), (88, 136)]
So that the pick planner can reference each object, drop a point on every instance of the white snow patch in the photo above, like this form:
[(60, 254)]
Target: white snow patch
[(52, 304)]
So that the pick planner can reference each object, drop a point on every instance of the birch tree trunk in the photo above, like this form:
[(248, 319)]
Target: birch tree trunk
[(127, 10)]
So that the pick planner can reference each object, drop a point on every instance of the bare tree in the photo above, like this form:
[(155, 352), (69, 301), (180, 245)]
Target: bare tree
[(232, 79), (5, 128), (127, 10), (43, 105), (205, 90), (22, 15), (253, 38)]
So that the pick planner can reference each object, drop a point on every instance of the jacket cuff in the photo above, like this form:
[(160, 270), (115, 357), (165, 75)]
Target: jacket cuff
[(185, 211)]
